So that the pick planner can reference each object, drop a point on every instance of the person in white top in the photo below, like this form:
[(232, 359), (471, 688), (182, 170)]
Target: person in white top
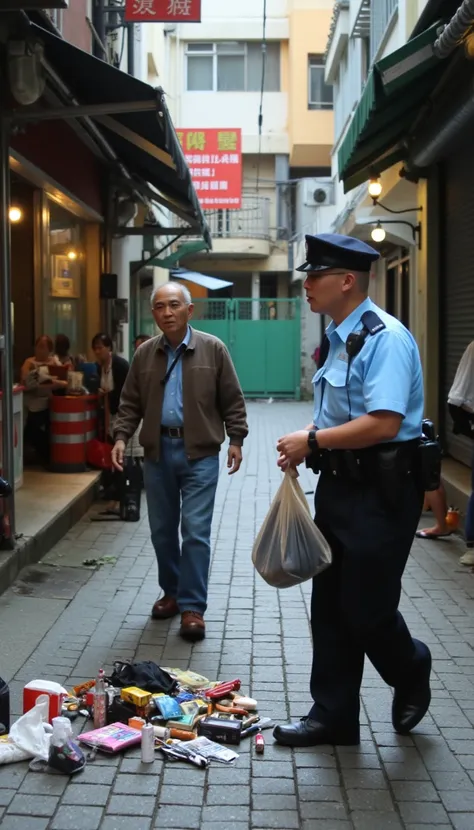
[(37, 376), (461, 407)]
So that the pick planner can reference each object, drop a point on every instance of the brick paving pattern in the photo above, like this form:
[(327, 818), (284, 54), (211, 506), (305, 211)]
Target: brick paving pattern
[(62, 621)]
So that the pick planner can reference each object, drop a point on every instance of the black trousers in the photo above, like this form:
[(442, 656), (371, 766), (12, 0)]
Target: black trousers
[(36, 434), (354, 606)]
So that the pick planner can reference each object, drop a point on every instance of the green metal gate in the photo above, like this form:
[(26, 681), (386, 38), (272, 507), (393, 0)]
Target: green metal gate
[(263, 338)]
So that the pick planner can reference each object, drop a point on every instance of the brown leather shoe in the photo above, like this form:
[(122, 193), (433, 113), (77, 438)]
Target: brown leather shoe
[(165, 608), (193, 627)]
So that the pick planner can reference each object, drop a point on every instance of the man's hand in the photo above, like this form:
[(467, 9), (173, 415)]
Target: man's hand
[(293, 449), (234, 459), (118, 454)]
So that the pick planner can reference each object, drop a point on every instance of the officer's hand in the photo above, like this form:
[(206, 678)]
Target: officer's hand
[(293, 448), (234, 459), (287, 467), (117, 455)]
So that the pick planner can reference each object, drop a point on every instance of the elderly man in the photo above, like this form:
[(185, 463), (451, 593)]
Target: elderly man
[(184, 386)]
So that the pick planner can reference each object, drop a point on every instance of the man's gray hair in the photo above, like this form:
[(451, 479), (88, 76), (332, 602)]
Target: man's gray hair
[(184, 291)]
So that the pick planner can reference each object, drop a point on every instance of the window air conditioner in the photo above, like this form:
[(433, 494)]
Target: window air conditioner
[(318, 194)]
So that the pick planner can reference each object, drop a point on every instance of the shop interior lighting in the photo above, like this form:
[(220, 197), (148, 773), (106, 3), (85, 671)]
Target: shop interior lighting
[(15, 214)]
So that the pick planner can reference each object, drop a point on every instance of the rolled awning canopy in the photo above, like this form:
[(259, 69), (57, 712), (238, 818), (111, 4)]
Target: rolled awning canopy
[(142, 134), (396, 89)]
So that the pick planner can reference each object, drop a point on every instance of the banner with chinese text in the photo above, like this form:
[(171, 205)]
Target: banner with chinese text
[(163, 11), (214, 159)]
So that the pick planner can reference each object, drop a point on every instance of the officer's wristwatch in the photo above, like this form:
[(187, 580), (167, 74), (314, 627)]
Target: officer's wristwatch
[(313, 440)]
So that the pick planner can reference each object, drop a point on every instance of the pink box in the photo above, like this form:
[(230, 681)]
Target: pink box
[(41, 688)]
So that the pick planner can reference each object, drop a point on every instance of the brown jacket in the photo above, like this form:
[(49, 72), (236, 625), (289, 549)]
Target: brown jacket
[(212, 397)]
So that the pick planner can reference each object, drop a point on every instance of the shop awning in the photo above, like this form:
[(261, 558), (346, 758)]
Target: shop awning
[(211, 283), (141, 133), (188, 248), (396, 89)]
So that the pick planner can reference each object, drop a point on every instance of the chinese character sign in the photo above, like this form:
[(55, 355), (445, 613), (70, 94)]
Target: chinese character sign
[(214, 158), (163, 11)]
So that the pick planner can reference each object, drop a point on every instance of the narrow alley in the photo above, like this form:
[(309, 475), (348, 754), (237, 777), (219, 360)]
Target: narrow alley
[(62, 620)]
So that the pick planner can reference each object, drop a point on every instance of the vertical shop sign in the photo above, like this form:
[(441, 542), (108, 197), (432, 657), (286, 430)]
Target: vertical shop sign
[(214, 158)]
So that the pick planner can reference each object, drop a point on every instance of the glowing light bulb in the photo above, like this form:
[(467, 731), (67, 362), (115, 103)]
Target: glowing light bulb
[(375, 188), (378, 233), (15, 214), (72, 255)]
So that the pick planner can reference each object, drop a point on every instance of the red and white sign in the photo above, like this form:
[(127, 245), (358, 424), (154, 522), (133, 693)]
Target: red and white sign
[(163, 11), (214, 159)]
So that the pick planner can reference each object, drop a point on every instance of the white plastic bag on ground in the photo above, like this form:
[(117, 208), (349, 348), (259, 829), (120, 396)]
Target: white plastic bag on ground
[(30, 734), (289, 548)]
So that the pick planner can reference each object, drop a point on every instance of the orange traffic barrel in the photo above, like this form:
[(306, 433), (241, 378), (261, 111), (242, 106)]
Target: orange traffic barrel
[(73, 424)]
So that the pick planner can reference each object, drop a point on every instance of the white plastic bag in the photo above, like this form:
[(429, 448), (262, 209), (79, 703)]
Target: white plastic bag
[(31, 733), (289, 548)]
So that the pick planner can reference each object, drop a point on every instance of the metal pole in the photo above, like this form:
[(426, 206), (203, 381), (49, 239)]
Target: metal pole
[(99, 25), (92, 110), (8, 463), (131, 48)]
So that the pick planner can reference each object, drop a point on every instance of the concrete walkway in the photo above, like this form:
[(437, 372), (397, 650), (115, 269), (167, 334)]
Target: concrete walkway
[(63, 621)]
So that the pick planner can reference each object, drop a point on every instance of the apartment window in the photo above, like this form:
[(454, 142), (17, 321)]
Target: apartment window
[(232, 66), (319, 93)]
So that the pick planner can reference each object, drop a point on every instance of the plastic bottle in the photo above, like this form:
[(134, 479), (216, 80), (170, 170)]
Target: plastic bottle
[(148, 744), (100, 701)]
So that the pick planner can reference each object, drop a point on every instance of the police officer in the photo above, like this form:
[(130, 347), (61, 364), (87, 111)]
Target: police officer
[(368, 396)]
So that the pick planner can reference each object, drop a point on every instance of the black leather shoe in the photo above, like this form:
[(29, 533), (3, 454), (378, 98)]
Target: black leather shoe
[(307, 732), (411, 703)]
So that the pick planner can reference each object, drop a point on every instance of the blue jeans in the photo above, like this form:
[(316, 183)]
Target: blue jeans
[(469, 526), (179, 489)]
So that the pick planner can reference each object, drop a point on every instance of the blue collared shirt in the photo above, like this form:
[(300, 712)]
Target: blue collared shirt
[(385, 375), (172, 412)]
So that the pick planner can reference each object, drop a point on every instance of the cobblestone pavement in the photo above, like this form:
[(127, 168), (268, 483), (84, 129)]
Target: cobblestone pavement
[(63, 621)]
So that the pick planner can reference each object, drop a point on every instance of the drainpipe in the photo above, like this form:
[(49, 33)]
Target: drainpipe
[(455, 30), (99, 26), (428, 150), (131, 48), (8, 463)]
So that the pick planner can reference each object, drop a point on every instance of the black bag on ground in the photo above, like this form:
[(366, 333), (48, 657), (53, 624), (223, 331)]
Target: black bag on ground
[(4, 707), (146, 675), (130, 491)]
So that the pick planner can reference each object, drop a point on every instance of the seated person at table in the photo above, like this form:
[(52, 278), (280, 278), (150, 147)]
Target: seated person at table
[(62, 347), (37, 376)]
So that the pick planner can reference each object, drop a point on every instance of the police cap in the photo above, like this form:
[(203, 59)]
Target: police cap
[(332, 250)]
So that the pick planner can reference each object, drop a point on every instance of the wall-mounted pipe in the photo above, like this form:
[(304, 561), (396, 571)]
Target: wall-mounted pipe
[(455, 30)]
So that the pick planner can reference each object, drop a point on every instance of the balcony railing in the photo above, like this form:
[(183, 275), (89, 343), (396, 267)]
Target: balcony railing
[(381, 14), (251, 221)]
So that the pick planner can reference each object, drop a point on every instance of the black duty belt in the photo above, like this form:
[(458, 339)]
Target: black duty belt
[(173, 432), (359, 465)]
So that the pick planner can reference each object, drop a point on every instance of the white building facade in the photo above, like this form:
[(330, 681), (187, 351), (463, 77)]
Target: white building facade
[(235, 70)]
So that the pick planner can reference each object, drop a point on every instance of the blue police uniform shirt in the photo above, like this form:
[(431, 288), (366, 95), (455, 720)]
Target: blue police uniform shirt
[(385, 375), (172, 412)]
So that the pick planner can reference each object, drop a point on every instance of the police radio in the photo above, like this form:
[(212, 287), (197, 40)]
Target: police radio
[(371, 324), (429, 457)]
